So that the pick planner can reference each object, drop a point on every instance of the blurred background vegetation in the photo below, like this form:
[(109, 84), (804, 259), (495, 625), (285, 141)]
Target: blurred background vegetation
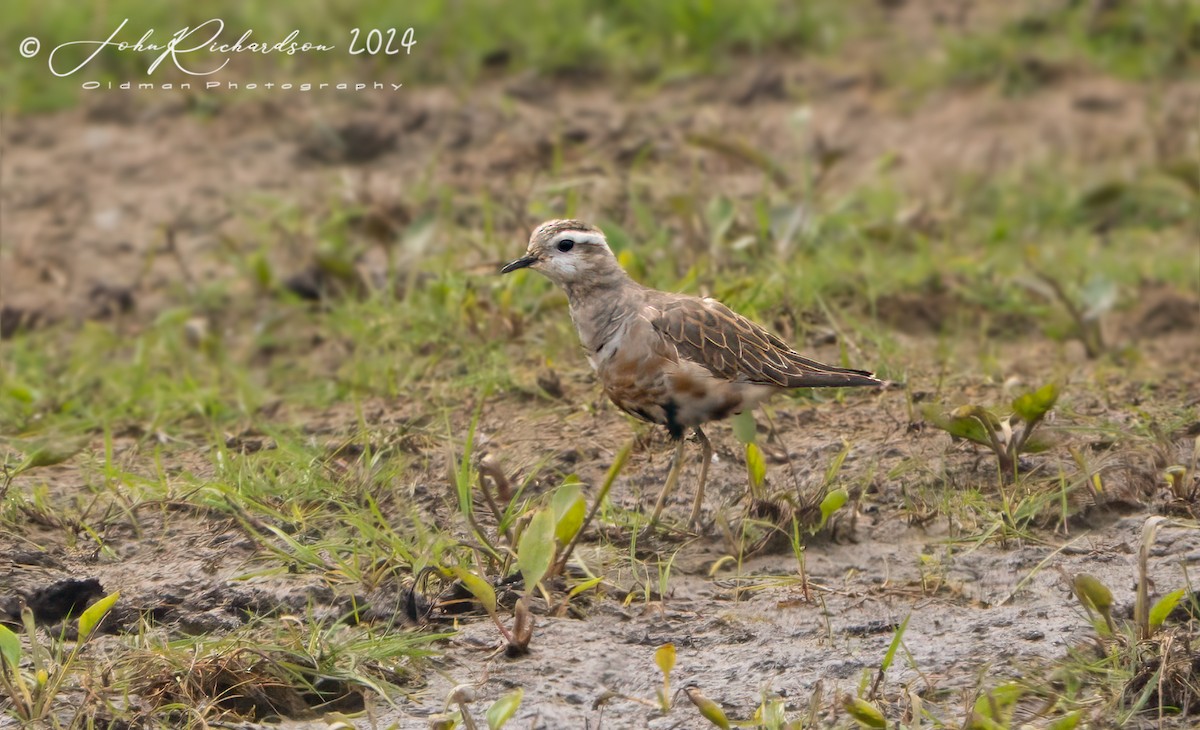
[(630, 41)]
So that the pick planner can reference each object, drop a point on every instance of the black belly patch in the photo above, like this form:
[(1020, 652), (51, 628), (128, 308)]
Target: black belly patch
[(674, 427), (670, 417)]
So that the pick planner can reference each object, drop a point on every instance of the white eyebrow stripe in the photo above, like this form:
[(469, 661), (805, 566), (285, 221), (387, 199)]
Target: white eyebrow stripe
[(580, 237)]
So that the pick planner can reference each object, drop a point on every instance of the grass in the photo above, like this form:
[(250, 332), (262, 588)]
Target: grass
[(1045, 41), (456, 41), (325, 443), (326, 503)]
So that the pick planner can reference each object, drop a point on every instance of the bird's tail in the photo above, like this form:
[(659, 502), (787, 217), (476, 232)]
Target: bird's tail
[(812, 374)]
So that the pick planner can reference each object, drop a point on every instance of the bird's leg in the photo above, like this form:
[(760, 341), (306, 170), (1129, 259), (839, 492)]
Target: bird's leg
[(672, 479), (706, 453)]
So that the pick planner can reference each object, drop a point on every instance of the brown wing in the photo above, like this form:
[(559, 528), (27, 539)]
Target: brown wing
[(734, 348)]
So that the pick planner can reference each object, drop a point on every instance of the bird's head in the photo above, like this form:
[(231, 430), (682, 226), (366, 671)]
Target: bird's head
[(567, 252)]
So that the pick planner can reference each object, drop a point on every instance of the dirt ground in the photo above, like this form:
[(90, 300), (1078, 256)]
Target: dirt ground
[(89, 195)]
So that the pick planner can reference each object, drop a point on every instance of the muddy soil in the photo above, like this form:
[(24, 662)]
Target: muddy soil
[(112, 209), (975, 609)]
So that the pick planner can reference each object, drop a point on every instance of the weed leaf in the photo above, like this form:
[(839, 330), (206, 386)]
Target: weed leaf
[(863, 712), (535, 550), (756, 465), (833, 502), (95, 613), (504, 708), (569, 510), (958, 425), (1164, 606), (744, 427), (1093, 592), (1032, 407), (664, 657), (480, 588), (10, 648), (51, 453), (709, 710)]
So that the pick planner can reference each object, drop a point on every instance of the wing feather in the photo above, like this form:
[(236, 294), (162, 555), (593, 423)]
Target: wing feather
[(736, 349)]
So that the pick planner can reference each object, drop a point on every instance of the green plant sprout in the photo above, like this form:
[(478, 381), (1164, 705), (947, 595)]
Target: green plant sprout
[(1007, 437), (33, 697), (709, 710), (543, 548), (664, 659)]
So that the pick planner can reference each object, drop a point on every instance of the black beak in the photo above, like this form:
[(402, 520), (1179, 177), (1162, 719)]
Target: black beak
[(519, 264)]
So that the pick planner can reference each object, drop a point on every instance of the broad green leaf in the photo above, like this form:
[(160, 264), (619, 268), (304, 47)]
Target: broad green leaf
[(1164, 606), (10, 648), (963, 427), (535, 549), (664, 657), (564, 496), (744, 427), (709, 710), (966, 428), (570, 509), (863, 712), (95, 613), (1032, 407), (979, 413), (504, 708), (833, 502), (756, 465), (480, 588)]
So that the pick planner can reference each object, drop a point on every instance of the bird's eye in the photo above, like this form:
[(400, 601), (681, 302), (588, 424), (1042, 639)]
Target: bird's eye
[(566, 245)]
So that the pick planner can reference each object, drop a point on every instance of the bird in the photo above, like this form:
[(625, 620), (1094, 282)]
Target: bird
[(675, 360)]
